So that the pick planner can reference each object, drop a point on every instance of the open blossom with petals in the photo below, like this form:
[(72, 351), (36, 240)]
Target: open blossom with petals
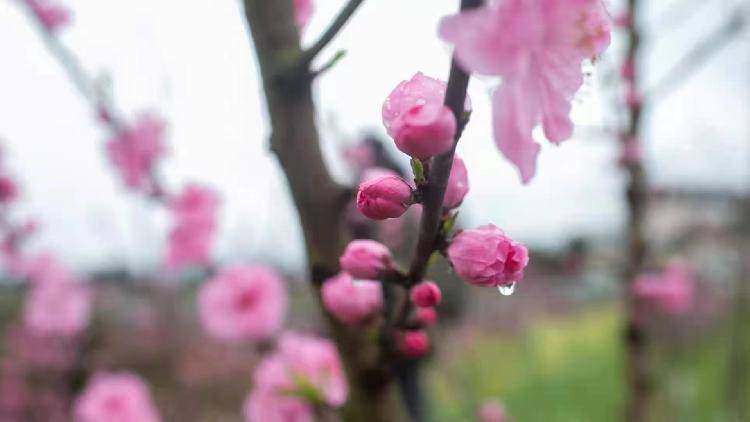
[(58, 304), (303, 10), (194, 214), (134, 150), (426, 294), (492, 411), (352, 301), (49, 13), (416, 118), (537, 48), (242, 303), (458, 184), (301, 364), (384, 197), (487, 257), (414, 343), (115, 397), (670, 292), (367, 259)]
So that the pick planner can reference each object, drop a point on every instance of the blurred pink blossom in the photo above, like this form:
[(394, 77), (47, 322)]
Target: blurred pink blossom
[(416, 118), (367, 259), (51, 14), (670, 292), (352, 301), (115, 397), (384, 197), (458, 184), (492, 411), (243, 303), (194, 215), (303, 10), (537, 47), (134, 150), (58, 304), (304, 371), (8, 190), (487, 257)]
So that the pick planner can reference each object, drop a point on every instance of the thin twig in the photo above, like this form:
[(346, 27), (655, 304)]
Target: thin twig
[(338, 23)]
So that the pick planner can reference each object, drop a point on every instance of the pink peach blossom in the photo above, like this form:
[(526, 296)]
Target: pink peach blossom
[(350, 301), (537, 47), (384, 197), (426, 294), (670, 292), (366, 259), (416, 118), (301, 363), (115, 397), (49, 13), (58, 305), (487, 257), (242, 303), (194, 215), (134, 150), (458, 184)]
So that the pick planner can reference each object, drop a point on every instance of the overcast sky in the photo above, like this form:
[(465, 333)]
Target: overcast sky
[(192, 62)]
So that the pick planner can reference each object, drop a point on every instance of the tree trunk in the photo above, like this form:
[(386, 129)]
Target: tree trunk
[(320, 201)]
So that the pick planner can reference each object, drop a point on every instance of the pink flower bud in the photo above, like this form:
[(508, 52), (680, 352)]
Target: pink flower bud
[(414, 344), (384, 197), (366, 259), (458, 184), (627, 71), (352, 302), (416, 118), (427, 316), (426, 294), (487, 257), (303, 10)]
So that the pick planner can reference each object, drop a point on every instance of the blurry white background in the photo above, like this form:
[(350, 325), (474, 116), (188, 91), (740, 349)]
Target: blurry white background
[(192, 62)]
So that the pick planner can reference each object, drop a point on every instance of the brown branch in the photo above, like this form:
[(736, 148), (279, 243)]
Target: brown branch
[(697, 57), (319, 200), (329, 34), (639, 382)]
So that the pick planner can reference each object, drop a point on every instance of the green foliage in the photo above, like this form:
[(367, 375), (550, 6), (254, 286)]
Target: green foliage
[(571, 370)]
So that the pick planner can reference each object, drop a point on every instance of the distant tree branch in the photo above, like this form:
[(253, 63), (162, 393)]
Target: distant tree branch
[(697, 57)]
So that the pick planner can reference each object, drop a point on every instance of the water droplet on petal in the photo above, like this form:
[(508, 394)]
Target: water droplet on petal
[(506, 289)]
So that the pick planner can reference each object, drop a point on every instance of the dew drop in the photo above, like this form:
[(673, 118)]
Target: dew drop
[(506, 289)]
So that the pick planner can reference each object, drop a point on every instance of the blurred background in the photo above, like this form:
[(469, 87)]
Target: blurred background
[(550, 352)]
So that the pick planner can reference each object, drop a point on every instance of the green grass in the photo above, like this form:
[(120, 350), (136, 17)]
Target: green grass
[(570, 370)]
